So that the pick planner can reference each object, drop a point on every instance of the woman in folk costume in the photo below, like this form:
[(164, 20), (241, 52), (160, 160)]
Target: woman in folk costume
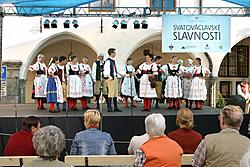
[(198, 90), (87, 82), (74, 82), (62, 77), (40, 81), (147, 89), (173, 89), (187, 80), (53, 89), (128, 84)]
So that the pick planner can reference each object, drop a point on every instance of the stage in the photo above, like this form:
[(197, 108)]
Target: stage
[(121, 125)]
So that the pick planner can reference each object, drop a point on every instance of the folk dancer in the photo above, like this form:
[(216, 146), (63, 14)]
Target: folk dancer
[(147, 90), (198, 90), (158, 79), (100, 85), (187, 81), (128, 82), (40, 81), (62, 76), (87, 83), (111, 73), (243, 90), (53, 89), (74, 82), (173, 90)]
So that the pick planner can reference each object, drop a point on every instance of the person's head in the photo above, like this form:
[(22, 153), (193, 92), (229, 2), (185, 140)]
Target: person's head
[(244, 81), (48, 142), (112, 52), (174, 59), (40, 58), (100, 56), (189, 62), (231, 117), (73, 58), (155, 125), (245, 161), (180, 62), (85, 60), (62, 60), (184, 118), (149, 58), (129, 61), (158, 59), (31, 124), (197, 61), (91, 118), (55, 60)]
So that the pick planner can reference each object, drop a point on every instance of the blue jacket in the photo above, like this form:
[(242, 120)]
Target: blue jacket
[(92, 142)]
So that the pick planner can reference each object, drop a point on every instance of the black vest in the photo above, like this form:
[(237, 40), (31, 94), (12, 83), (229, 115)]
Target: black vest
[(99, 70), (71, 72), (173, 72), (199, 75), (112, 67), (159, 76), (40, 71)]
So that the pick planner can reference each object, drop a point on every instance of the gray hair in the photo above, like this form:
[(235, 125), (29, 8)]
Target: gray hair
[(48, 142), (155, 125), (232, 116), (245, 161)]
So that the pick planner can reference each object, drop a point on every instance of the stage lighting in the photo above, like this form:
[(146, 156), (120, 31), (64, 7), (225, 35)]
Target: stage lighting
[(144, 24), (75, 23), (46, 24), (123, 24), (66, 24), (115, 24), (136, 24), (146, 11), (54, 24)]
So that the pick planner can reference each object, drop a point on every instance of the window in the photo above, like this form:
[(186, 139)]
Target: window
[(102, 6), (236, 63), (225, 87), (168, 5)]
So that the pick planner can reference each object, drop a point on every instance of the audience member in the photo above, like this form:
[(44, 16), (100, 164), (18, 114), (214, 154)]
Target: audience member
[(92, 141), (136, 142), (49, 141), (245, 161), (187, 138), (226, 148), (20, 143), (159, 150)]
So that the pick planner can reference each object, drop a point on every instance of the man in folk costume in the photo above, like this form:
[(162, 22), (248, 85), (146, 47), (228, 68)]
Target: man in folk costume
[(100, 85), (74, 82), (128, 82), (110, 73), (147, 88), (53, 89), (198, 90), (173, 90), (158, 79), (243, 90), (87, 83), (187, 80), (40, 81), (62, 76)]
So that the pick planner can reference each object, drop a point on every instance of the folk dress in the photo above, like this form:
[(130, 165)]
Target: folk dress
[(87, 81), (128, 83)]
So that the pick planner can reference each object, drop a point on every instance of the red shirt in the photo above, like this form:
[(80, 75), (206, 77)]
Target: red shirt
[(188, 139), (20, 144)]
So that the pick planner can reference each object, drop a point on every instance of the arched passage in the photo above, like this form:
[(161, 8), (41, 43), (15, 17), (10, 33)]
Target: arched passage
[(57, 45)]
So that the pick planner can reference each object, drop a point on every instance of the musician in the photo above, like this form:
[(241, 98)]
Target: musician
[(243, 90)]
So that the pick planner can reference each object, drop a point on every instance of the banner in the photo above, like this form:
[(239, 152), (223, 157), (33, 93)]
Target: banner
[(196, 33)]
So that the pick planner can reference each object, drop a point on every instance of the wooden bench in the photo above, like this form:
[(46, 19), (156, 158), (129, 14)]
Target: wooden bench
[(90, 160)]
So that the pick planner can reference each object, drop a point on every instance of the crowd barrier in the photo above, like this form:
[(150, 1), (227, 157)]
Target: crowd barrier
[(90, 160)]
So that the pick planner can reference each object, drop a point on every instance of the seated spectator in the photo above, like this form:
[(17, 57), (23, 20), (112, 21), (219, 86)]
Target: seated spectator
[(92, 141), (226, 148), (49, 141), (20, 143), (187, 138), (245, 161), (136, 142), (159, 150)]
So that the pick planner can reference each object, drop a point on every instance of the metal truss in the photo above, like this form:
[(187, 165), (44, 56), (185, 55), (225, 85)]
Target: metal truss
[(120, 11)]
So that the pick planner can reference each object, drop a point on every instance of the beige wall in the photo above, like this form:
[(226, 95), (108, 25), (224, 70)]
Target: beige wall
[(155, 48), (60, 48)]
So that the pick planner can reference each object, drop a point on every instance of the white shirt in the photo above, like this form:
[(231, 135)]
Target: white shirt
[(35, 67), (85, 68), (240, 92), (198, 69), (136, 142), (73, 67), (145, 67), (106, 71), (129, 68), (172, 67)]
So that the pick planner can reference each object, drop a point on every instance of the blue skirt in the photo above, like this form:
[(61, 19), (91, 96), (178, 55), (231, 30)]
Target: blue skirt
[(51, 90)]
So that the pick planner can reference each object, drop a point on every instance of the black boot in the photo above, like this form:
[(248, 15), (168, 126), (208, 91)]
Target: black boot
[(97, 97), (109, 104), (157, 104), (186, 103), (115, 105)]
